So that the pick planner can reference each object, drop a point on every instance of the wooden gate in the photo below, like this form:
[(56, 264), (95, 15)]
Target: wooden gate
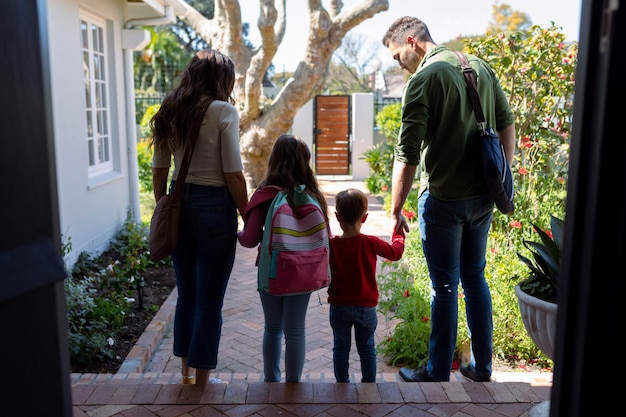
[(331, 129)]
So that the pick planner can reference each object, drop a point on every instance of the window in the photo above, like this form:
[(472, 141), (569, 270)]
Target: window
[(97, 111)]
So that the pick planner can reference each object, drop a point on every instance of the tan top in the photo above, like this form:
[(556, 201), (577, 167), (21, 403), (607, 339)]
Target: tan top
[(217, 148)]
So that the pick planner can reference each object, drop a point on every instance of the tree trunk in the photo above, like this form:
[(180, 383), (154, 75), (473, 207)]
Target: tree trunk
[(261, 125)]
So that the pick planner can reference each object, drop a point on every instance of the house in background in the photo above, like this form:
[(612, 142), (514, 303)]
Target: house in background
[(90, 49)]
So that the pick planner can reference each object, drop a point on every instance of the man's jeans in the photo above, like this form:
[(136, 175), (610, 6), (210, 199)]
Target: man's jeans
[(454, 239)]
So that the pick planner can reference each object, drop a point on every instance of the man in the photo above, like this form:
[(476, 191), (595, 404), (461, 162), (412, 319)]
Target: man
[(439, 130)]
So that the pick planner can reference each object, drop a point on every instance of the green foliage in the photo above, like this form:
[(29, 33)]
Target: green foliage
[(144, 166), (102, 291), (144, 125), (158, 65), (380, 160), (542, 280), (536, 68), (405, 301), (388, 119), (143, 100)]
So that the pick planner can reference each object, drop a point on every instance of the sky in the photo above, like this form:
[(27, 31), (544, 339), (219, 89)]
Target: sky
[(446, 19)]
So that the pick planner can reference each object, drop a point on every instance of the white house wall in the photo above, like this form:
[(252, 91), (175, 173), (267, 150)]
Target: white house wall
[(362, 132), (91, 212)]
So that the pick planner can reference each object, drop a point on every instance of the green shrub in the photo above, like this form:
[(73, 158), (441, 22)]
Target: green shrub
[(388, 119), (144, 164), (102, 291), (144, 124)]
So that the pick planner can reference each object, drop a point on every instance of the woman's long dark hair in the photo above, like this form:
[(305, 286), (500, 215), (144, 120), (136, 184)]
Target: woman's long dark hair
[(289, 166), (210, 75)]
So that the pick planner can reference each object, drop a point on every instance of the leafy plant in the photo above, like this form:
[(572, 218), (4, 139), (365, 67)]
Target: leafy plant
[(389, 120), (404, 288), (380, 160), (103, 291), (542, 281)]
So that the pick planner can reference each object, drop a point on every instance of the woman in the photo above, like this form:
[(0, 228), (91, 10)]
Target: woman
[(289, 169), (215, 189)]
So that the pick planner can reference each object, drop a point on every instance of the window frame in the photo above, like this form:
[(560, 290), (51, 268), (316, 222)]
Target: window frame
[(95, 61)]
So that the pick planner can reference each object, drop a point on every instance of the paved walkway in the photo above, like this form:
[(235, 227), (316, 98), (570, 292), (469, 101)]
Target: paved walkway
[(149, 380)]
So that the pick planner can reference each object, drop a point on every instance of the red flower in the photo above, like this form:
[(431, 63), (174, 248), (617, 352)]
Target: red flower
[(522, 171), (408, 214), (425, 319), (515, 224), (494, 250), (549, 233), (384, 188), (406, 293), (525, 142)]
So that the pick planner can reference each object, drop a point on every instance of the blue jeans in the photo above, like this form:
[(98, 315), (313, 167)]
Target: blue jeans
[(284, 315), (454, 239), (364, 320), (203, 261)]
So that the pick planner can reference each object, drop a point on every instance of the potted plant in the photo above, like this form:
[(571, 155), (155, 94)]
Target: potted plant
[(537, 293)]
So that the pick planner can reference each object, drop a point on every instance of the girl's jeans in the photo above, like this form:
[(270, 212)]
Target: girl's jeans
[(364, 320), (203, 261), (454, 240), (284, 315)]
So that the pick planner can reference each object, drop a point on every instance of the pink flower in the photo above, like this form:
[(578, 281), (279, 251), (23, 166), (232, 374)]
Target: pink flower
[(384, 188), (522, 171), (515, 224)]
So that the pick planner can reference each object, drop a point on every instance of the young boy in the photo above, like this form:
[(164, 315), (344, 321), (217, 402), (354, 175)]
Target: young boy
[(353, 291)]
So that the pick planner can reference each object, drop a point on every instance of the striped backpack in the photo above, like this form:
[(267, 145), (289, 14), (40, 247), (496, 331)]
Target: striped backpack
[(295, 246)]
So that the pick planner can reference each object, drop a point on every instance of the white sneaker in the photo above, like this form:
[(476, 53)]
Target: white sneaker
[(217, 381)]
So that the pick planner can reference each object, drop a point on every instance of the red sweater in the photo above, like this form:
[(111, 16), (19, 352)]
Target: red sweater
[(353, 267)]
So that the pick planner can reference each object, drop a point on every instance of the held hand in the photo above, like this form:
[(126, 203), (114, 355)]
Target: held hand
[(401, 223)]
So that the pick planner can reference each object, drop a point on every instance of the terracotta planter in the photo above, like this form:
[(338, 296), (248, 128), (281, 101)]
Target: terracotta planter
[(539, 318)]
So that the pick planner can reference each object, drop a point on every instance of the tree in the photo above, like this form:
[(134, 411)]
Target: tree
[(260, 124), (353, 66), (505, 19), (185, 34), (157, 65)]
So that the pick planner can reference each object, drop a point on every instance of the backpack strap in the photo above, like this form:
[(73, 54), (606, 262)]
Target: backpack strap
[(261, 196)]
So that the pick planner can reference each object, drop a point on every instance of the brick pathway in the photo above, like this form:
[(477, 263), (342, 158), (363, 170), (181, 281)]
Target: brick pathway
[(148, 382)]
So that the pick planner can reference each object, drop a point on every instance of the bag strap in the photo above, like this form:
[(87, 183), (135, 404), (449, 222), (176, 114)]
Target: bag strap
[(471, 88), (184, 166)]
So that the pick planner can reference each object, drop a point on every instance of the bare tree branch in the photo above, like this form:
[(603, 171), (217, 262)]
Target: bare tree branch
[(260, 126)]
